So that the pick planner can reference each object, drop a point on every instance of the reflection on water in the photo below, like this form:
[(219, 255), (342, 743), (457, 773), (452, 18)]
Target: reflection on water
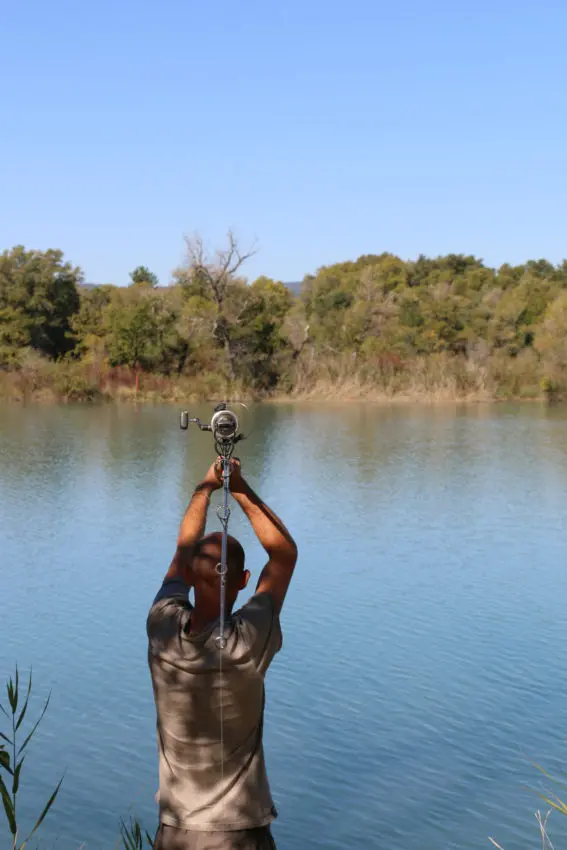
[(424, 656)]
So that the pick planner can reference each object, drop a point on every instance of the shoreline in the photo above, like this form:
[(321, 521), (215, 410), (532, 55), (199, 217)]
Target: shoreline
[(374, 399), (434, 382)]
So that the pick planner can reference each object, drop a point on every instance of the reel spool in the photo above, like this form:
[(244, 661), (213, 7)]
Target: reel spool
[(224, 426)]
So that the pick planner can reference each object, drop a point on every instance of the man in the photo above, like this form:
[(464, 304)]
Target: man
[(213, 787)]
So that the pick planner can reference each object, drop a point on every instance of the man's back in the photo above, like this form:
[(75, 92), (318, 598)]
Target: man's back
[(212, 777)]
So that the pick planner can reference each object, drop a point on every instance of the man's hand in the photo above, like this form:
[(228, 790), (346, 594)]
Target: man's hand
[(236, 480), (213, 478)]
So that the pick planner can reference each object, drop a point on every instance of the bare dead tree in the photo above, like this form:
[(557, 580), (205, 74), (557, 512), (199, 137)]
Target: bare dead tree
[(216, 273)]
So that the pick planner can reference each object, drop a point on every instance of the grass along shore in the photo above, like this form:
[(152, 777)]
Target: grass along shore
[(435, 378)]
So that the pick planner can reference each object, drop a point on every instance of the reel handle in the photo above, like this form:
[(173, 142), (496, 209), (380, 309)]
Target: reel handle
[(185, 419)]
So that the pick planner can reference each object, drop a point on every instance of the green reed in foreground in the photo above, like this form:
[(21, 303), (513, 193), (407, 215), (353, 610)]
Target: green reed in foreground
[(13, 752), (12, 757), (556, 804), (133, 837)]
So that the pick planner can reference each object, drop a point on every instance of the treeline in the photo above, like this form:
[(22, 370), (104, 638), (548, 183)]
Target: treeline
[(379, 326)]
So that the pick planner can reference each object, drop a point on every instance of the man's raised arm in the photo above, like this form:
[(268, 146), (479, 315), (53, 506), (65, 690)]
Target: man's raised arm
[(193, 526), (272, 534)]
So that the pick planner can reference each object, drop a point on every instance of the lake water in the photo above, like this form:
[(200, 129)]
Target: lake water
[(425, 653)]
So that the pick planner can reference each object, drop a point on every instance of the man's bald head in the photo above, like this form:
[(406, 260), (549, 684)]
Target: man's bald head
[(207, 556)]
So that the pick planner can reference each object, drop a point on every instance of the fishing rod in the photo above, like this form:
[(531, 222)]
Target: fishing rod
[(225, 428)]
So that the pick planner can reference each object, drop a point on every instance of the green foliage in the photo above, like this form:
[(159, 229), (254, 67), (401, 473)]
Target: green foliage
[(12, 760), (142, 276), (257, 337), (131, 330), (551, 337), (556, 805), (139, 327), (133, 837), (38, 298), (367, 320), (88, 324)]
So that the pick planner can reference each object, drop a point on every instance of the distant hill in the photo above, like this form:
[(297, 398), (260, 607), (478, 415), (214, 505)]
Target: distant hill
[(294, 287)]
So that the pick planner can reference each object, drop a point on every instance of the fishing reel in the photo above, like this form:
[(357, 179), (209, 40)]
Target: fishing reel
[(224, 426)]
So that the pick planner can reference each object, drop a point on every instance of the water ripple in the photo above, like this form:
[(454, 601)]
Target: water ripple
[(424, 659)]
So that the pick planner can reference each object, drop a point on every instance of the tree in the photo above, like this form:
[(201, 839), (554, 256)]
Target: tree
[(257, 338), (551, 338), (142, 276), (38, 298), (88, 324), (141, 329), (214, 278), (170, 346), (131, 330)]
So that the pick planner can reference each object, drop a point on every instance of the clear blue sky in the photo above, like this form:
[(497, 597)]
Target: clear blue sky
[(322, 129)]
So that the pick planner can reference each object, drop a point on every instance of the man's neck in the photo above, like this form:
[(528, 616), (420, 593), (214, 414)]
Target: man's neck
[(203, 618)]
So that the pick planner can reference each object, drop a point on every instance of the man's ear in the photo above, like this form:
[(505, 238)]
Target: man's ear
[(244, 579)]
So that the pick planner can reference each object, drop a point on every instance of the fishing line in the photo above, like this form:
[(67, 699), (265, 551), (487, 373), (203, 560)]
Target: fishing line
[(224, 426)]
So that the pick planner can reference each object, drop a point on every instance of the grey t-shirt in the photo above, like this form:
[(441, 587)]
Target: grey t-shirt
[(196, 791)]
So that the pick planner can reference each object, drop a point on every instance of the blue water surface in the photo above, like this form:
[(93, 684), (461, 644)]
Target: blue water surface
[(425, 656)]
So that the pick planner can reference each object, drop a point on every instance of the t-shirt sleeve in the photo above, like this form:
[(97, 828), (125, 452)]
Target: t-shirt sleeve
[(259, 626), (169, 608), (173, 589)]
